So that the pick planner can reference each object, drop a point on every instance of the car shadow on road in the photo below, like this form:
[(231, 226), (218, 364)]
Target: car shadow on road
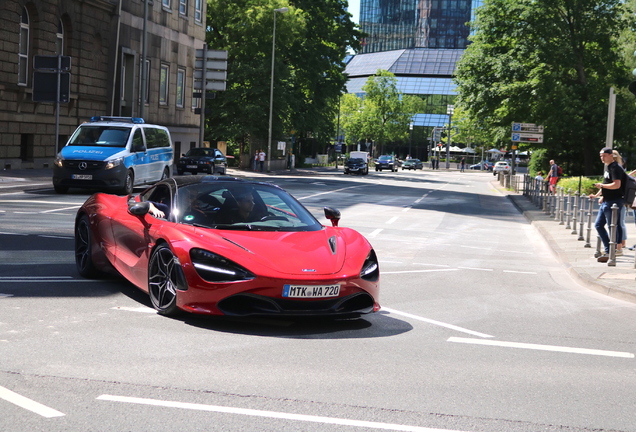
[(367, 326)]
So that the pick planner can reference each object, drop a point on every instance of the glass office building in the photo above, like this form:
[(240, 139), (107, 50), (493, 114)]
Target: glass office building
[(420, 42)]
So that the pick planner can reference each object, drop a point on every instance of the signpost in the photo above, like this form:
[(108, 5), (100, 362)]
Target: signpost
[(524, 133), (210, 74), (527, 137)]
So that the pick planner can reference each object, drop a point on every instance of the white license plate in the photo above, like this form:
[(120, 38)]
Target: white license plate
[(82, 177), (311, 291), (191, 166)]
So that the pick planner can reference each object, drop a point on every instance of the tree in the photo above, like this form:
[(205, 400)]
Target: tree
[(383, 115), (549, 62), (311, 43)]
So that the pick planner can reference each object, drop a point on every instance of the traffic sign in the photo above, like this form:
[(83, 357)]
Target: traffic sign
[(527, 137), (527, 127), (210, 75), (210, 64), (211, 54)]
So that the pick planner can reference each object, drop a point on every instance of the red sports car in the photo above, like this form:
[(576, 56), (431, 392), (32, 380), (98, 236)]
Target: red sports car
[(224, 246)]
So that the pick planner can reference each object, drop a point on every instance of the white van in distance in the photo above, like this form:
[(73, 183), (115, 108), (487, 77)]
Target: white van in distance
[(114, 154)]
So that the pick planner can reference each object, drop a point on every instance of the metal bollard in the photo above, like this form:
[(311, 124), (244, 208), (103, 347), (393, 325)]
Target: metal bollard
[(590, 212), (575, 206), (568, 210), (582, 215), (612, 243), (561, 215), (544, 198)]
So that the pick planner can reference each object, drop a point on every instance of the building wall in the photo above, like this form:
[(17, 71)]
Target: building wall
[(105, 46)]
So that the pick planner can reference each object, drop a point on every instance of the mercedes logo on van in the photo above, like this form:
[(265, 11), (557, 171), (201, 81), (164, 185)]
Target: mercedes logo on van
[(83, 165)]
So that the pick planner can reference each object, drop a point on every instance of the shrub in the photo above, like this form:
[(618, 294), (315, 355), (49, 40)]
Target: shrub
[(586, 184)]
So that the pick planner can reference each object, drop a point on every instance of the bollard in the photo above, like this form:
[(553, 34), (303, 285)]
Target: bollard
[(544, 198), (575, 206), (590, 212), (561, 215), (581, 215), (612, 243), (568, 210)]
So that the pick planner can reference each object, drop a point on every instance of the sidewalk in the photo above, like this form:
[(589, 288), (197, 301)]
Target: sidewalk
[(618, 282)]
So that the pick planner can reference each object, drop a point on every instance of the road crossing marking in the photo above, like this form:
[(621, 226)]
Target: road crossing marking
[(437, 323), (393, 219), (28, 404), (270, 414), (542, 347), (375, 232)]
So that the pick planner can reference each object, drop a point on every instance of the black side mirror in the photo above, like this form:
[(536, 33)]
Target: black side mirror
[(333, 215), (138, 208)]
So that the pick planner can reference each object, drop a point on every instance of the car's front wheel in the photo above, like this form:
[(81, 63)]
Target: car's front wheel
[(129, 183), (164, 276), (84, 249)]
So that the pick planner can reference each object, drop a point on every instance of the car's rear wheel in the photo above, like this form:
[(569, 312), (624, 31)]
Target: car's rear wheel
[(84, 249), (164, 274)]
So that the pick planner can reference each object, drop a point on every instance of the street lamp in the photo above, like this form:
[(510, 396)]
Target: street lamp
[(271, 90), (449, 110)]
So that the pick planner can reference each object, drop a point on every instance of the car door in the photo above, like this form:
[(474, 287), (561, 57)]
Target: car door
[(139, 157)]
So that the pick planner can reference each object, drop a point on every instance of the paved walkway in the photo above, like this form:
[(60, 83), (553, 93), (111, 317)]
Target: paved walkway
[(618, 281)]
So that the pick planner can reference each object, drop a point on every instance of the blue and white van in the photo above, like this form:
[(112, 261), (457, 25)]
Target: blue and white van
[(114, 154)]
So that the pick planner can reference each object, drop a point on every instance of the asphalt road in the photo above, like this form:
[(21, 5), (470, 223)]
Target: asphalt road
[(481, 329)]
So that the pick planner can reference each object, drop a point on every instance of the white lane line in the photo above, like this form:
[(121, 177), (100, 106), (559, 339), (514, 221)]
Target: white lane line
[(437, 323), (5, 295), (61, 209), (38, 202), (18, 234), (28, 404), (135, 309), (45, 279), (418, 271), (519, 272), (57, 237), (476, 268), (542, 347), (375, 232), (407, 208), (432, 265), (269, 414), (393, 219), (328, 192)]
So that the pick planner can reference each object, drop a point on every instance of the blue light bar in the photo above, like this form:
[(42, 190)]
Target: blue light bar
[(137, 120)]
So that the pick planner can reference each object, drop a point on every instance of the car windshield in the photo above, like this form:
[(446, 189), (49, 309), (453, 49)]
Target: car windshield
[(356, 160), (200, 152), (241, 206), (385, 158), (103, 136)]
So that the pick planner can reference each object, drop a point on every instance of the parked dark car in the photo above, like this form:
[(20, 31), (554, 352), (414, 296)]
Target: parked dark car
[(386, 162), (484, 166), (356, 166), (412, 164), (202, 159)]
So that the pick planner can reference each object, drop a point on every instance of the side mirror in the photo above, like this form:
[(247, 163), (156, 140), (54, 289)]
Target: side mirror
[(333, 215), (138, 208)]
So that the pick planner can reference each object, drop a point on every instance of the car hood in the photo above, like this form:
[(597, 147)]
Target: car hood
[(295, 253), (195, 158), (97, 153)]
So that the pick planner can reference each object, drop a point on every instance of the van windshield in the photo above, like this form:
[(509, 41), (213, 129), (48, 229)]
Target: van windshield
[(103, 136)]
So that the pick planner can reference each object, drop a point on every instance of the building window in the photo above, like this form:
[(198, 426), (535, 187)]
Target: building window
[(163, 84), (166, 4), (147, 81), (23, 54), (198, 10), (183, 7), (180, 87), (59, 38)]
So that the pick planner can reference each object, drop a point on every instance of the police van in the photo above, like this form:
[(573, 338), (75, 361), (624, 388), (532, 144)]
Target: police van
[(113, 154)]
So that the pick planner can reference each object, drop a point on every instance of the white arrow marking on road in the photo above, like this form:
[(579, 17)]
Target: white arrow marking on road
[(542, 347), (269, 414), (28, 404), (438, 323)]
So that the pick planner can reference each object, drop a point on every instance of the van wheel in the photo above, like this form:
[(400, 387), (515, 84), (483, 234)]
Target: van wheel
[(128, 183), (166, 173)]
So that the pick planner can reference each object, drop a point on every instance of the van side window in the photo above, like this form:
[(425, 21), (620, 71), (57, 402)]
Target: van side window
[(138, 141), (156, 138)]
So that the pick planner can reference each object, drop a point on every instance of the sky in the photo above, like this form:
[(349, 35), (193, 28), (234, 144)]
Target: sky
[(354, 9)]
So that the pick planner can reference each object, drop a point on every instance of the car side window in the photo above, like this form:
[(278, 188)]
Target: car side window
[(138, 141)]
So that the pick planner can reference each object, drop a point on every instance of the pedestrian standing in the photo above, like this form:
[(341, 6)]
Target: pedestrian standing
[(256, 159), (553, 176), (539, 180), (463, 165), (610, 193), (261, 160)]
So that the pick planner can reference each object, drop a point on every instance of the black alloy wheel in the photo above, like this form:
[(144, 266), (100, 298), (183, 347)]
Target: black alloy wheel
[(164, 273)]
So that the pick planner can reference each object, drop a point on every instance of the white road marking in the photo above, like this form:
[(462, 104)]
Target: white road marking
[(419, 271), (269, 414), (143, 309), (39, 202), (28, 404), (393, 219), (5, 295), (375, 232), (434, 265), (437, 323), (475, 268), (43, 279), (61, 209), (57, 237), (519, 272), (8, 233), (407, 208), (331, 191), (542, 347)]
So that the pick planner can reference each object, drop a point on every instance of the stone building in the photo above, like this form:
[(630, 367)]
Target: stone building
[(104, 39)]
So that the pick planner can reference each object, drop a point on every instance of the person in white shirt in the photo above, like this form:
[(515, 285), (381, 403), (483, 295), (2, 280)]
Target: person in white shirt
[(261, 160)]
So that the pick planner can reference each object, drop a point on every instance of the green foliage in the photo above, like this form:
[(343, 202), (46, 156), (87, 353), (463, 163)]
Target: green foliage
[(549, 62), (383, 115), (584, 184), (312, 39)]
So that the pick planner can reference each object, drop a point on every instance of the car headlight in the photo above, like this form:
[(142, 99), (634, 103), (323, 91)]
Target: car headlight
[(59, 161), (215, 268), (370, 269), (113, 163)]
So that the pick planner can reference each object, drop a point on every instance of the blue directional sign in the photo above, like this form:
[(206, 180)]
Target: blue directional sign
[(527, 127)]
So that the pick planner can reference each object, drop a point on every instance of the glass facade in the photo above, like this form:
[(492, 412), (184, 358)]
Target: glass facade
[(400, 24)]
